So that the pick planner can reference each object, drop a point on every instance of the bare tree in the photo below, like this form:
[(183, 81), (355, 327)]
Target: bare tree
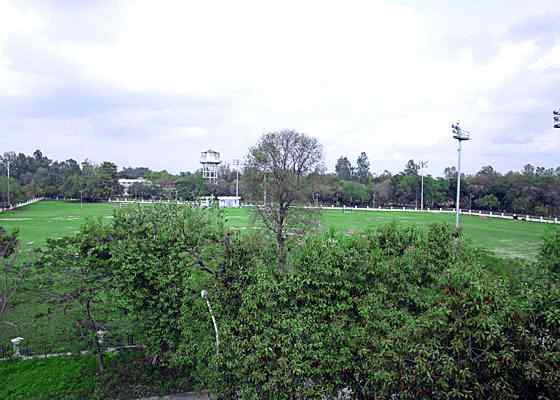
[(282, 159)]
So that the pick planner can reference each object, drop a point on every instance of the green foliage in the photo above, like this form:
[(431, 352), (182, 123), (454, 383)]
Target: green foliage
[(399, 312), (8, 242), (75, 273), (162, 257), (550, 251)]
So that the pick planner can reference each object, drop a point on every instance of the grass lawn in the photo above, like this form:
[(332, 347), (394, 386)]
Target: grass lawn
[(127, 376), (503, 237)]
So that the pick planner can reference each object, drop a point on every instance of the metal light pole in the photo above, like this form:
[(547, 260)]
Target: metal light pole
[(461, 135), (556, 118), (8, 167), (81, 199), (423, 164), (264, 194), (236, 163)]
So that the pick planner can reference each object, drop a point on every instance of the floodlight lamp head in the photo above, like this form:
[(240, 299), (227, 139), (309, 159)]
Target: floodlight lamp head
[(204, 294), (556, 112)]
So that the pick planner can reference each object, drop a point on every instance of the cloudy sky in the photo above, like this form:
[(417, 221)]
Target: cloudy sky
[(153, 83)]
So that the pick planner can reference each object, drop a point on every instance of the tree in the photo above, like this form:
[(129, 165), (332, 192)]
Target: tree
[(77, 270), (343, 168), (411, 168), (363, 168), (285, 158), (12, 271)]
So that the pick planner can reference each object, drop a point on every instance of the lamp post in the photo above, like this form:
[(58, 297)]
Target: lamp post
[(204, 295), (81, 199), (461, 135), (556, 118), (8, 168), (236, 163), (423, 164)]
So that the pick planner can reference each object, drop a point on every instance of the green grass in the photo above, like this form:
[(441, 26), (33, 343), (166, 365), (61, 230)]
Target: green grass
[(502, 237), (51, 219), (52, 378), (505, 238), (127, 376)]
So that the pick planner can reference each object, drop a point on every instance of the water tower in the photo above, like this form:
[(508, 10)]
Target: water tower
[(210, 161)]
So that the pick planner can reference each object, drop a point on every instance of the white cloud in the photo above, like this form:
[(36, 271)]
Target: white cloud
[(362, 75)]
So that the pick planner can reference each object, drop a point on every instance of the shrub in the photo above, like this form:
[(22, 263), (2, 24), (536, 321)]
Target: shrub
[(550, 251), (395, 313), (163, 256)]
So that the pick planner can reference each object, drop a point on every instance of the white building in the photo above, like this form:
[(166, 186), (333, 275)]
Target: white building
[(228, 201), (127, 183)]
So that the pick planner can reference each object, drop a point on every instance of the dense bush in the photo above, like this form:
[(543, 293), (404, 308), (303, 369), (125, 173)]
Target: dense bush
[(399, 312), (163, 256), (389, 313), (550, 251)]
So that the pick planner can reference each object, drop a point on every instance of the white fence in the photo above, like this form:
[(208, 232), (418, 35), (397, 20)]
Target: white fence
[(25, 203), (478, 213)]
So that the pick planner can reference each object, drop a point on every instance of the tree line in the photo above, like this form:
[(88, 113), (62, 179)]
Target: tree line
[(534, 190)]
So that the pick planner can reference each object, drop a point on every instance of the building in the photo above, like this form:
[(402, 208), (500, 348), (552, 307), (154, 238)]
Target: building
[(228, 201), (127, 183), (223, 201), (210, 161)]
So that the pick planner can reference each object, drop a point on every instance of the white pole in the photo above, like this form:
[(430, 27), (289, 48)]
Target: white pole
[(204, 295), (422, 193), (237, 181), (264, 199), (423, 164), (457, 205), (8, 165)]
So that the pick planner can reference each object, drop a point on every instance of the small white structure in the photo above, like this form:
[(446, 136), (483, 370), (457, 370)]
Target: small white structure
[(205, 201), (127, 183), (223, 201), (228, 201), (15, 343), (210, 161)]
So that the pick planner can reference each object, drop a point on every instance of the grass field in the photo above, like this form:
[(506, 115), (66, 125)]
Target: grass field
[(51, 219)]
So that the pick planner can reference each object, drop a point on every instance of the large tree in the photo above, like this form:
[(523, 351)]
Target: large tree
[(284, 159), (362, 169), (343, 168)]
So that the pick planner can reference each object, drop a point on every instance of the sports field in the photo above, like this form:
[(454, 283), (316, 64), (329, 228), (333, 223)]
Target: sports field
[(503, 237)]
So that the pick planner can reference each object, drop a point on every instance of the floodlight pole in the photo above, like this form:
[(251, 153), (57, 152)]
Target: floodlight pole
[(236, 163), (423, 164), (264, 195), (457, 201), (556, 118), (460, 135), (8, 168)]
